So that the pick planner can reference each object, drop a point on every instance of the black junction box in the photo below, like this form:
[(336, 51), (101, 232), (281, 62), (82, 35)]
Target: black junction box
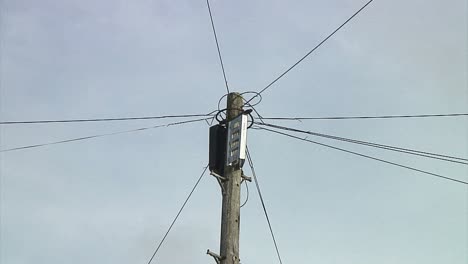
[(217, 148)]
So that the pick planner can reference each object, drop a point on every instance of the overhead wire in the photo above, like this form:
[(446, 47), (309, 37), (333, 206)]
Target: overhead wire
[(249, 104), (101, 135), (254, 175), (256, 94), (217, 46), (315, 48), (364, 117), (247, 195), (102, 119), (256, 112), (177, 215), (366, 156), (426, 154)]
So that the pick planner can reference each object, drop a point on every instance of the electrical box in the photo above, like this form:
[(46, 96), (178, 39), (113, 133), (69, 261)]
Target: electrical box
[(237, 141), (217, 148)]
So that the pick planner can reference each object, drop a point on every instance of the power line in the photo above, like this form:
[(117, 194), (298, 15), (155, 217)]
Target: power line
[(249, 158), (177, 216), (315, 48), (100, 135), (362, 117), (371, 144), (365, 156), (102, 119), (217, 45)]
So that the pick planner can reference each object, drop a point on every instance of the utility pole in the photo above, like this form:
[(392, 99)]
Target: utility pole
[(230, 217), (227, 155)]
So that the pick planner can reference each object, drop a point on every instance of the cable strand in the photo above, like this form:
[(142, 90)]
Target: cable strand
[(376, 145), (102, 119), (177, 216), (366, 156), (217, 46), (365, 117), (315, 48), (247, 195), (100, 135), (249, 158)]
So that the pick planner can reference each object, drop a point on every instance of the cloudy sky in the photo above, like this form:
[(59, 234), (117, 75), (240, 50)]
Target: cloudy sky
[(110, 200)]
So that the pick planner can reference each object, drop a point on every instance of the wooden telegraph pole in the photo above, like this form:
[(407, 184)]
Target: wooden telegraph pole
[(227, 155), (230, 218)]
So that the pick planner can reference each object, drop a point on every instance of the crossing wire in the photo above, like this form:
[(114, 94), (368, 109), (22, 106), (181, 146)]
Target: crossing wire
[(364, 117), (102, 119), (217, 46), (177, 215), (366, 156), (249, 158), (101, 135), (431, 155), (314, 49)]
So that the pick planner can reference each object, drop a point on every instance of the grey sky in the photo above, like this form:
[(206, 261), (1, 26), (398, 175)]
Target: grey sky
[(110, 200)]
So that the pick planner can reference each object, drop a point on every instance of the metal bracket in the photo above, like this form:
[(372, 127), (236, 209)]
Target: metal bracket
[(214, 174), (246, 178), (220, 180), (216, 257)]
